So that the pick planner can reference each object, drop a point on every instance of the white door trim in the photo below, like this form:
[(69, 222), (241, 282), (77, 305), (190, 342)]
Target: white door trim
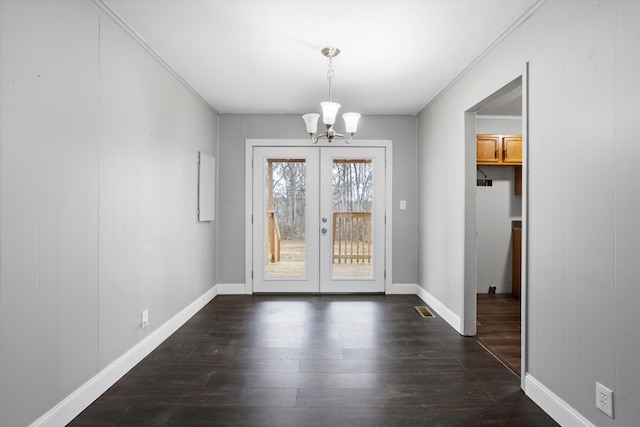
[(251, 143), (524, 283)]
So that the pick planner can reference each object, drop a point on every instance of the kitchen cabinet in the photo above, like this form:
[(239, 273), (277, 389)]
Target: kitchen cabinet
[(499, 150)]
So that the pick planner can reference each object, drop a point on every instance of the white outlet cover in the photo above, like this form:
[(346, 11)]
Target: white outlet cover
[(604, 399)]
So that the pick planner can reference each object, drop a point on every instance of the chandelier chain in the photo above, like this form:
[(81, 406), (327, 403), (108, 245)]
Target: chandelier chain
[(330, 76)]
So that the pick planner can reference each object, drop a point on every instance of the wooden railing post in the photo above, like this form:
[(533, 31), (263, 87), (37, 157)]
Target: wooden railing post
[(272, 233)]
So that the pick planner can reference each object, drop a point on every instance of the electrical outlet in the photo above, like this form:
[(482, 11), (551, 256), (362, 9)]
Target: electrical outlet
[(144, 318), (604, 399)]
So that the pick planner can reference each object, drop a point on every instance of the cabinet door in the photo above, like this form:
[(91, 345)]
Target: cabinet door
[(487, 149), (512, 150)]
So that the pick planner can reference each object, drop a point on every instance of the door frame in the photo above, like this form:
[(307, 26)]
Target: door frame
[(248, 233), (468, 318)]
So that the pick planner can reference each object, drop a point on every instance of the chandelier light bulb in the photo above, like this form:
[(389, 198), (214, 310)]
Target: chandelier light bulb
[(329, 112), (311, 121), (351, 122)]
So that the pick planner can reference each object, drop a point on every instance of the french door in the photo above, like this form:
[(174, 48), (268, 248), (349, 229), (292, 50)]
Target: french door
[(319, 219)]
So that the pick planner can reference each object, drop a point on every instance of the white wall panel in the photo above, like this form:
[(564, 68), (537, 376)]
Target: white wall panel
[(151, 167), (47, 283), (44, 77), (597, 202), (433, 270), (627, 234), (546, 170), (98, 179), (206, 187), (569, 149)]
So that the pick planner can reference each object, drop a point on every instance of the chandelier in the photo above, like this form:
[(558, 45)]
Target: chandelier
[(330, 110)]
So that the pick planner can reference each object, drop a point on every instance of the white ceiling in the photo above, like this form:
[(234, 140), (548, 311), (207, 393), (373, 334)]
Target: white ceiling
[(263, 56)]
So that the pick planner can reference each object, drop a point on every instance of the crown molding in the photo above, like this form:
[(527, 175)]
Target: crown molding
[(503, 35), (106, 8)]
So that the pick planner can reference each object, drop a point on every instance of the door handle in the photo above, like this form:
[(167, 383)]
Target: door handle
[(324, 230), (324, 219)]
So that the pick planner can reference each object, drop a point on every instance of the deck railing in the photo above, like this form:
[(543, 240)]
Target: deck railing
[(351, 237)]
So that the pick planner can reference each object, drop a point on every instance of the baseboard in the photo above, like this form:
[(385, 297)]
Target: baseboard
[(442, 310), (402, 288), (76, 402), (553, 405), (241, 289), (230, 289)]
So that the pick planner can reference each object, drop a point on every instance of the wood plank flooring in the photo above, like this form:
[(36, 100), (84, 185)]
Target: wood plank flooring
[(499, 328), (316, 361)]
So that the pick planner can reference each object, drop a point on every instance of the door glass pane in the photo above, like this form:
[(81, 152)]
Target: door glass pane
[(352, 213), (285, 239)]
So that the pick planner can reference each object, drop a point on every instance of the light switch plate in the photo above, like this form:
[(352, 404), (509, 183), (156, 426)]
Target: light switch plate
[(144, 321)]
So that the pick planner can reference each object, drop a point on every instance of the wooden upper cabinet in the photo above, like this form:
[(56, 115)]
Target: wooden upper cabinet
[(505, 150), (512, 149), (487, 149)]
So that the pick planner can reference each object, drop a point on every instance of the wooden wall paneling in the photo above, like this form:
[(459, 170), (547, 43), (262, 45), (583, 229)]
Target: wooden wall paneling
[(597, 202), (627, 230)]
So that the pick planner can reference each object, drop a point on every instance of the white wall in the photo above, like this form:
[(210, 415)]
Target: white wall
[(498, 125), (583, 292), (235, 130), (496, 207), (98, 180)]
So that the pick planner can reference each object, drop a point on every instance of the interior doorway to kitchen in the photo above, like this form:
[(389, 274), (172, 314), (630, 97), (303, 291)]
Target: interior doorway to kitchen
[(496, 192)]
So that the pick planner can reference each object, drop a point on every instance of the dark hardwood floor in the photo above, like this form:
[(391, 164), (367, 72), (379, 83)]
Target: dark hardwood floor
[(316, 361), (498, 327)]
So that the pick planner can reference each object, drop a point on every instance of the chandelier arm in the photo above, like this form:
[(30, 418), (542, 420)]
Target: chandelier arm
[(348, 139), (317, 139)]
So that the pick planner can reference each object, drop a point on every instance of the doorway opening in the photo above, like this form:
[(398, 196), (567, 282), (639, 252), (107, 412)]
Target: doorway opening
[(496, 217)]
